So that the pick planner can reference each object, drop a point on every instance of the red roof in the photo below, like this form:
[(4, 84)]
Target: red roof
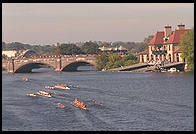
[(174, 38), (157, 39), (143, 52), (176, 35)]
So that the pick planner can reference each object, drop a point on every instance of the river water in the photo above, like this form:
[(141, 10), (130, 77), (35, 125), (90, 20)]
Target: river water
[(131, 101)]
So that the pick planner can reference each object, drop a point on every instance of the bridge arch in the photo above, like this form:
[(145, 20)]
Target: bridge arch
[(27, 68), (74, 65)]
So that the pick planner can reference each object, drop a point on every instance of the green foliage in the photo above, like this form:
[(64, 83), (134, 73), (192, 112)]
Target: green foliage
[(68, 49), (148, 39), (48, 50), (101, 61), (131, 62), (3, 46), (41, 50), (113, 58), (187, 44), (105, 44), (90, 48), (114, 61), (144, 44), (129, 57), (17, 46)]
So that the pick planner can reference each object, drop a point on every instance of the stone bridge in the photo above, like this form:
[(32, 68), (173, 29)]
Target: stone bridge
[(58, 63)]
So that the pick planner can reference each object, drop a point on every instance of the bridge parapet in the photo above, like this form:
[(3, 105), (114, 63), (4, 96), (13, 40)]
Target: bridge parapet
[(56, 62)]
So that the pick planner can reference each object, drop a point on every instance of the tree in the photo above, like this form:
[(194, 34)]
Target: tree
[(105, 44), (187, 45), (144, 44), (68, 49), (129, 57), (148, 39), (130, 62), (105, 61), (101, 61), (90, 48), (50, 50), (112, 61)]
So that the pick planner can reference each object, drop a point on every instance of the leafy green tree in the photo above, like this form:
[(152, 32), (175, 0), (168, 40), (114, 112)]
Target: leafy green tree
[(105, 44), (129, 57), (105, 61), (118, 63), (131, 62), (101, 61), (148, 39), (90, 48), (144, 44), (187, 44), (68, 49), (112, 59), (49, 50)]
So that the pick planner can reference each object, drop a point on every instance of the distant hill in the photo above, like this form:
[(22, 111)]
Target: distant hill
[(43, 50)]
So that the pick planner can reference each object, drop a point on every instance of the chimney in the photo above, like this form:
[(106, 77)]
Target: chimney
[(167, 31), (180, 27)]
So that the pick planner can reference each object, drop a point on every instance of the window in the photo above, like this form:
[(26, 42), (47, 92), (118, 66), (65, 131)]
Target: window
[(152, 57), (177, 56), (170, 57)]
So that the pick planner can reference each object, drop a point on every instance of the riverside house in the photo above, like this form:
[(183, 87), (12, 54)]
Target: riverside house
[(164, 46)]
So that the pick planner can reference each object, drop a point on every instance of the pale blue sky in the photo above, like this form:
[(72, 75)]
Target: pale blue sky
[(48, 23)]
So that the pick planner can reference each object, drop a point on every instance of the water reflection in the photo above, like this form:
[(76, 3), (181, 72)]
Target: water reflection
[(80, 68)]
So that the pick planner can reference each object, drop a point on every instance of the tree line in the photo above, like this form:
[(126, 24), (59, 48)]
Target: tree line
[(71, 48), (108, 61), (187, 45)]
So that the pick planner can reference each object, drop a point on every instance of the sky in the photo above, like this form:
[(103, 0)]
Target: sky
[(49, 23)]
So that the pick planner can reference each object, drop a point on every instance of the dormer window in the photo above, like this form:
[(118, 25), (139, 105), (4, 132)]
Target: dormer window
[(166, 38)]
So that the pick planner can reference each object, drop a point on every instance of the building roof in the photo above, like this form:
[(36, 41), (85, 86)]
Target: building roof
[(176, 35), (157, 39), (105, 48), (143, 52), (122, 48)]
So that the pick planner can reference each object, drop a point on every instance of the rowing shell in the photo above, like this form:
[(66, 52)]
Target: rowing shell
[(60, 105), (78, 106)]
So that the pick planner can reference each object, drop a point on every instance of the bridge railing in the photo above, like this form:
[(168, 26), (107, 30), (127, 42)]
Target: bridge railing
[(54, 56)]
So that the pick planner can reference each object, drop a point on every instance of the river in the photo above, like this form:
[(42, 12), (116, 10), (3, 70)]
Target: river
[(131, 101)]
